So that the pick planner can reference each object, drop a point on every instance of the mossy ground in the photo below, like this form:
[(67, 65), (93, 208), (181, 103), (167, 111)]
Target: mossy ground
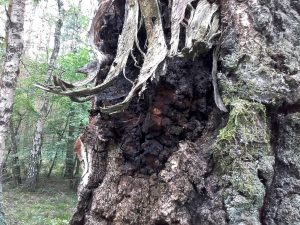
[(51, 204)]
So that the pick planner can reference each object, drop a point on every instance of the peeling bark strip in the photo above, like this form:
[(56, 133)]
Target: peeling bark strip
[(9, 78), (125, 45), (178, 13), (202, 25), (201, 29), (156, 52)]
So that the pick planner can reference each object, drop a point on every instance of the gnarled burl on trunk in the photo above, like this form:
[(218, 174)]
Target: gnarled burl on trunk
[(161, 148)]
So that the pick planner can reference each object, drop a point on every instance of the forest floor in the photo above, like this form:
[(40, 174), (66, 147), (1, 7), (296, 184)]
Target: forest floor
[(51, 204)]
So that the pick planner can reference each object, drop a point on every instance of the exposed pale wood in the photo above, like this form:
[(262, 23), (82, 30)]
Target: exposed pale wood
[(217, 98)]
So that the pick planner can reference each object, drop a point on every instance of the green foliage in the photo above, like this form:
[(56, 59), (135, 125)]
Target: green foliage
[(75, 20), (52, 203), (75, 24), (3, 2), (72, 61), (26, 94)]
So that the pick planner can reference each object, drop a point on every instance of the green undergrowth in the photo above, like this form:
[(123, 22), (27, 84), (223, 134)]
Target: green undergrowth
[(51, 204)]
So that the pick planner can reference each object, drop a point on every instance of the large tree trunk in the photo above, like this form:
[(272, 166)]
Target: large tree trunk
[(33, 170), (171, 156), (9, 77)]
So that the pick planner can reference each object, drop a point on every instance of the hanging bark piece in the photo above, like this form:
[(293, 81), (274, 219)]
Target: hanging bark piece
[(178, 11), (157, 50), (202, 26), (125, 43), (60, 86)]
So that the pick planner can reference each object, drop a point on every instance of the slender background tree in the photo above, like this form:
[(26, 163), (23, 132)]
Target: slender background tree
[(14, 48), (32, 175)]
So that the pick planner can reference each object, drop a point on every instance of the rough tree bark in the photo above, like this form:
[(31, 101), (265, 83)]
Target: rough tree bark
[(33, 169), (9, 77), (170, 156)]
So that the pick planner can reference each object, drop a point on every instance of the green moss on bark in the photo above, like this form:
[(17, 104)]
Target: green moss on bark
[(242, 146), (240, 139)]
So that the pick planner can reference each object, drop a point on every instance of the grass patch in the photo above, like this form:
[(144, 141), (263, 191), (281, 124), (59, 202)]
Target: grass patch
[(51, 204)]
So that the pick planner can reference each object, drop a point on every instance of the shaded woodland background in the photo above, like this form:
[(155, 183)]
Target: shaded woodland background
[(50, 199), (65, 119)]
